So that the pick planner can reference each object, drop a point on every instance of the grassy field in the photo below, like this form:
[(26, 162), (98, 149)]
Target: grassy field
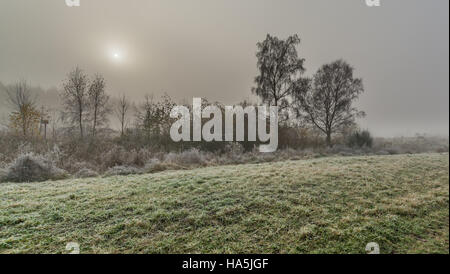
[(328, 205)]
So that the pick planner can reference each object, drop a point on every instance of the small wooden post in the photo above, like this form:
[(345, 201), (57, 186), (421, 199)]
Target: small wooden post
[(45, 123)]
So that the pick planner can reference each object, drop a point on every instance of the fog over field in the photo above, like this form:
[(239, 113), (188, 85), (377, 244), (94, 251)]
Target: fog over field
[(254, 128), (207, 49)]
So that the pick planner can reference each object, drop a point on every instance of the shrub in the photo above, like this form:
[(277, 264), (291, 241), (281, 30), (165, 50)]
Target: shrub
[(393, 151), (342, 150), (154, 165), (122, 170), (119, 156), (86, 173), (186, 158), (138, 157), (116, 156), (234, 149), (267, 157), (55, 155), (74, 167), (33, 168), (360, 139)]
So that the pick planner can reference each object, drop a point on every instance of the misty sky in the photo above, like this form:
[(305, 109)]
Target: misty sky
[(206, 48)]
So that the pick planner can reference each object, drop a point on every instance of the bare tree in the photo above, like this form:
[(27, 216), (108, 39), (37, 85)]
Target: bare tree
[(279, 69), (153, 117), (75, 98), (326, 100), (122, 110), (98, 102), (23, 102)]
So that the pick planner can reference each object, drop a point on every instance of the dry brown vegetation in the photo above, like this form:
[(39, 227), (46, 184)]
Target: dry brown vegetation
[(114, 156)]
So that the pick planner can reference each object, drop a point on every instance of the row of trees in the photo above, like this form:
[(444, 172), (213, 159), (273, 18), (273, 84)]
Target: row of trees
[(88, 106), (85, 101), (324, 100)]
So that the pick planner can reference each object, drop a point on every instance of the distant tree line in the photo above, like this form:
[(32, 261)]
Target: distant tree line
[(323, 101)]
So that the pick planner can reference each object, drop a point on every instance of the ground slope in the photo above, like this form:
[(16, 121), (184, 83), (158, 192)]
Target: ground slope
[(329, 205)]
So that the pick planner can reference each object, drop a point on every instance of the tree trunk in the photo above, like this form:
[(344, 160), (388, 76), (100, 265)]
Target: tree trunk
[(95, 122), (329, 144), (122, 126), (24, 126), (81, 124)]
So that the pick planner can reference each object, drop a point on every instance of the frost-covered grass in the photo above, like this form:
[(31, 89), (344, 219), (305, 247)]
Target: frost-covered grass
[(326, 205)]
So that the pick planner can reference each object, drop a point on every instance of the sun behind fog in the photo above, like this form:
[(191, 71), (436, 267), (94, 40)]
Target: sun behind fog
[(117, 56)]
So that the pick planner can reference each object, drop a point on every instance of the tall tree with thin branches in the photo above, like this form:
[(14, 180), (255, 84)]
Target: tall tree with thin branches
[(98, 103), (75, 97), (326, 101), (279, 69), (122, 110)]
